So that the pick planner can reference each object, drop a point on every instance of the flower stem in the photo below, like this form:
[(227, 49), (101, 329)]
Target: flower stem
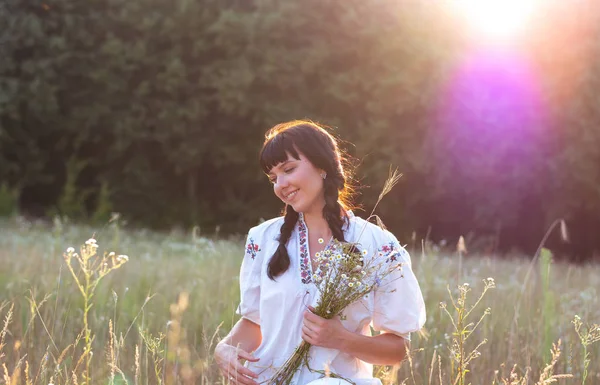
[(285, 374)]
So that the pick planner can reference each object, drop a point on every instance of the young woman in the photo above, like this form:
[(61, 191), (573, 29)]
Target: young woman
[(304, 164)]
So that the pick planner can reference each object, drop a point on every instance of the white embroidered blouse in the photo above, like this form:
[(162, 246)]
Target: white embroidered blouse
[(278, 306)]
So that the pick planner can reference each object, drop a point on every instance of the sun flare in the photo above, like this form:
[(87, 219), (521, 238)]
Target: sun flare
[(497, 18)]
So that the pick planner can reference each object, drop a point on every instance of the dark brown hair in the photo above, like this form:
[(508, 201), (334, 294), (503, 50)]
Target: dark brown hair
[(322, 150)]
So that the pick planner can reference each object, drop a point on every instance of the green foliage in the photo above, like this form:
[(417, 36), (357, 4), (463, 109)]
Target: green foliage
[(588, 335), (104, 207), (9, 201), (71, 202), (548, 307), (463, 329), (132, 326), (168, 100), (90, 269)]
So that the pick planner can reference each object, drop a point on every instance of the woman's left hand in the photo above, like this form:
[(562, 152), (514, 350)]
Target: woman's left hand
[(328, 333)]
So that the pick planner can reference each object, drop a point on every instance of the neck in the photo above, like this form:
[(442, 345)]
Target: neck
[(317, 225)]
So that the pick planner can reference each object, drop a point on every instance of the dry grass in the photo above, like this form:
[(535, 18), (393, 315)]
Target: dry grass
[(145, 331)]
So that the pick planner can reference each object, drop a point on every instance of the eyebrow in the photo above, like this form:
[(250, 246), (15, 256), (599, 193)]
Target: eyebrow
[(280, 165)]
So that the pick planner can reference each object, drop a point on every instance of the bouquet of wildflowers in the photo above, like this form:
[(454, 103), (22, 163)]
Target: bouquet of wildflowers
[(345, 275), (345, 278)]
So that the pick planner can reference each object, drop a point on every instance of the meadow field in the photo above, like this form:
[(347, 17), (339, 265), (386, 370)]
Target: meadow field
[(155, 317)]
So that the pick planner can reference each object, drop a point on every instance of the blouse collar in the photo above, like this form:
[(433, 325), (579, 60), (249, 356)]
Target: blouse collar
[(348, 212)]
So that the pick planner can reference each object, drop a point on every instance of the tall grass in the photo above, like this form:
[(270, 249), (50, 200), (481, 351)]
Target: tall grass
[(156, 319)]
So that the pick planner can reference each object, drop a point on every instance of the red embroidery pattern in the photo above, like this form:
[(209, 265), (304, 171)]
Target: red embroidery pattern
[(304, 257), (252, 248), (390, 252)]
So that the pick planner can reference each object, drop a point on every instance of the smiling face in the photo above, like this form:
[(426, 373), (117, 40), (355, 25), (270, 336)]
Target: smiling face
[(298, 183)]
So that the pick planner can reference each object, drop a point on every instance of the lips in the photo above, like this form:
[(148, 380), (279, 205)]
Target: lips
[(291, 195)]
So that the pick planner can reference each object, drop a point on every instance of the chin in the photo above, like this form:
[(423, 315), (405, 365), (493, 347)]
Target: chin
[(298, 208)]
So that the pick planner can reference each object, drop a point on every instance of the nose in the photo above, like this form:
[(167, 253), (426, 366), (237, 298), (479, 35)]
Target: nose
[(281, 182)]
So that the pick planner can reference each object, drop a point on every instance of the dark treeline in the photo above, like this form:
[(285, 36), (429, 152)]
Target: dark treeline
[(157, 109)]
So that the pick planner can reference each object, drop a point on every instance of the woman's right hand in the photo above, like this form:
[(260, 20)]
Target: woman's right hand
[(229, 358)]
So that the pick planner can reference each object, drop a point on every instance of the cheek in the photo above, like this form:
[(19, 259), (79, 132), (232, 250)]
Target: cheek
[(277, 192), (316, 183), (302, 177)]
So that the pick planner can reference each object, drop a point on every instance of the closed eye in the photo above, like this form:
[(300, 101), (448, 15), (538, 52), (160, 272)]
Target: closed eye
[(289, 170)]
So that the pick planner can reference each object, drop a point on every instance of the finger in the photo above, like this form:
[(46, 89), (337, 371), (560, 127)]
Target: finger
[(309, 333), (313, 324), (308, 339), (242, 380), (229, 378), (313, 317), (247, 381), (312, 309), (308, 315), (240, 370), (310, 326), (232, 377), (237, 378), (247, 372), (314, 336), (246, 356)]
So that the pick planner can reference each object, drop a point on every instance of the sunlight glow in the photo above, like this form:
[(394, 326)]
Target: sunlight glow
[(498, 19)]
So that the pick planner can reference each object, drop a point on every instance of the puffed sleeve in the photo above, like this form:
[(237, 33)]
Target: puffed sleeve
[(398, 301), (249, 306)]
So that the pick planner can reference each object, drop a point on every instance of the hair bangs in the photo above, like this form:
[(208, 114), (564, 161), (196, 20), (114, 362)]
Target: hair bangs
[(275, 151)]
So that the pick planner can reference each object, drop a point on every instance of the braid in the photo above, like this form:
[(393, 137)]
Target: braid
[(332, 212), (280, 261)]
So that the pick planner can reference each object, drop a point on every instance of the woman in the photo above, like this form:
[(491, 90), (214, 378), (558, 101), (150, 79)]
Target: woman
[(304, 165)]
